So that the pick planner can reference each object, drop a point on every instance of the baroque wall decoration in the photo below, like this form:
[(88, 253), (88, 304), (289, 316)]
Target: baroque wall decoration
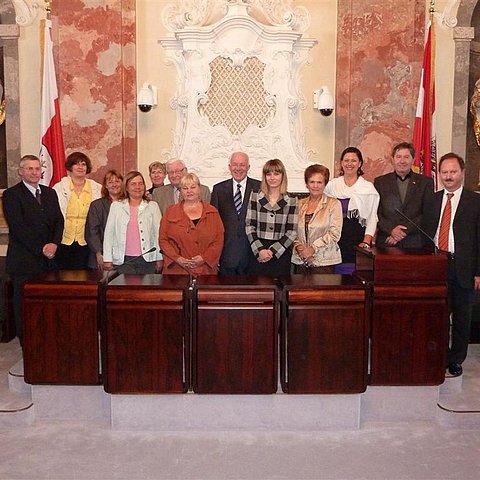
[(238, 65)]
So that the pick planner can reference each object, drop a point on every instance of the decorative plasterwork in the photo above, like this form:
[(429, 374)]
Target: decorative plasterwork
[(200, 13), (237, 37), (25, 13)]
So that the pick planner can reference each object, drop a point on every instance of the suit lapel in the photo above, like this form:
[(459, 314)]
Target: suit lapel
[(462, 205)]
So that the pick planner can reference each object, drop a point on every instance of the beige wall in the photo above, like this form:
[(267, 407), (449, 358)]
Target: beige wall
[(155, 128)]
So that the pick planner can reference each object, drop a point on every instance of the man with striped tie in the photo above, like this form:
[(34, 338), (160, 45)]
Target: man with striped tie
[(230, 197), (452, 219)]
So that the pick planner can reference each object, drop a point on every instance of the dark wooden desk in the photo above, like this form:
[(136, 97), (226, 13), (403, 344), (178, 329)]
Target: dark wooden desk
[(61, 325), (409, 315), (235, 335), (324, 334), (145, 341)]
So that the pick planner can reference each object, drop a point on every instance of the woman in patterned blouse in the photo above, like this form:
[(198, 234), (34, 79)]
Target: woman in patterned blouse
[(271, 222)]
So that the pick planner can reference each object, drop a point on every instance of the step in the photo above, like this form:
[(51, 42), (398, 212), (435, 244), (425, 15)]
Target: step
[(16, 381), (192, 412)]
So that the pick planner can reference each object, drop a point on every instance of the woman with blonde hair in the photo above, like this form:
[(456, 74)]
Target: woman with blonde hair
[(131, 234), (271, 222), (191, 232)]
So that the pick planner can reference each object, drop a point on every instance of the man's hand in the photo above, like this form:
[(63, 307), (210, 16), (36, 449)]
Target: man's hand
[(398, 233), (49, 250)]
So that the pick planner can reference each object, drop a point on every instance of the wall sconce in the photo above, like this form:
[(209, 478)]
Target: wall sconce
[(147, 97), (323, 101)]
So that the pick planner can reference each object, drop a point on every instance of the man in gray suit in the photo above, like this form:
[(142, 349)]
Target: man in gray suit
[(167, 195), (232, 207), (404, 191)]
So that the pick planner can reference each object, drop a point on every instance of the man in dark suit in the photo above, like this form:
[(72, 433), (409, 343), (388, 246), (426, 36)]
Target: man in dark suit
[(236, 249), (401, 190), (168, 195), (35, 226), (456, 228)]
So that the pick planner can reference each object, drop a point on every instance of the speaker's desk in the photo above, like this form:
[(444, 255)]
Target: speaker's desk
[(61, 324), (409, 336), (324, 334), (235, 335), (145, 341)]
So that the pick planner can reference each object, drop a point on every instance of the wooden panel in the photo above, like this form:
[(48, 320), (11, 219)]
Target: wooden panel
[(409, 342), (235, 349), (397, 266), (326, 296), (144, 296), (326, 349), (61, 341), (145, 349), (234, 295)]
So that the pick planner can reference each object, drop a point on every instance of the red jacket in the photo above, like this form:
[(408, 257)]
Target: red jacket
[(179, 237)]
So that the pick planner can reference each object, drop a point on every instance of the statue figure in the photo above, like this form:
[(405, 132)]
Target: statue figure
[(475, 110)]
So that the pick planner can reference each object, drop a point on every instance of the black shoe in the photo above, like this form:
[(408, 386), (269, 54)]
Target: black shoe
[(455, 369)]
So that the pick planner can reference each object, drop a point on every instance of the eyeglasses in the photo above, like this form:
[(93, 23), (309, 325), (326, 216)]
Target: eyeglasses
[(176, 172)]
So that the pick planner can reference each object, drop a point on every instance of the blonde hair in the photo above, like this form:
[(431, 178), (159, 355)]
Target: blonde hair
[(274, 165), (189, 178)]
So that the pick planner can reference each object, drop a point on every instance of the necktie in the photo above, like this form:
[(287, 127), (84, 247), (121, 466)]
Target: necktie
[(38, 196), (237, 198), (445, 224), (176, 195)]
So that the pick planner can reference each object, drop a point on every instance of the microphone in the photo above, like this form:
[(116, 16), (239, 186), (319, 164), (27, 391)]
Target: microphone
[(130, 260), (191, 278), (420, 229)]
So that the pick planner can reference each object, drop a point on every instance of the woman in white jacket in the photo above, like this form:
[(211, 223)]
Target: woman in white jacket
[(75, 193), (131, 234)]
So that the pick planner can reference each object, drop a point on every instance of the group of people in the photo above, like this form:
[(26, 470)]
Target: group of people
[(244, 226)]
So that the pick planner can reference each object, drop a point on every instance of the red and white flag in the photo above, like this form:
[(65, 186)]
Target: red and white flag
[(52, 152), (424, 139)]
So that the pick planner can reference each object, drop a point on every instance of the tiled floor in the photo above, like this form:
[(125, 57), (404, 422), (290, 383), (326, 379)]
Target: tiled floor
[(418, 451)]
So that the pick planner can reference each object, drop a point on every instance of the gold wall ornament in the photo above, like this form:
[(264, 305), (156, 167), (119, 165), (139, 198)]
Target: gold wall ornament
[(475, 110)]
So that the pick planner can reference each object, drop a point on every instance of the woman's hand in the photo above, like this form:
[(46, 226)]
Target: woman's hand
[(196, 261), (307, 253), (99, 258), (107, 266), (264, 256), (184, 262)]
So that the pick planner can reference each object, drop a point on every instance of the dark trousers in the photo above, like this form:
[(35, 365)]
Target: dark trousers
[(460, 303), (72, 257), (17, 287), (136, 265)]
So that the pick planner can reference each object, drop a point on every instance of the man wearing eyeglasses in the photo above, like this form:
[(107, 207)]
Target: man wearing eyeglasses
[(168, 195)]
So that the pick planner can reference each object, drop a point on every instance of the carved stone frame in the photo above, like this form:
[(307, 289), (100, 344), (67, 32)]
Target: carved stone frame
[(238, 36)]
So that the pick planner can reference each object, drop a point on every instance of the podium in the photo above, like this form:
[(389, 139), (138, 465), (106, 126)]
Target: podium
[(235, 332), (325, 326), (61, 328), (409, 337), (145, 335)]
